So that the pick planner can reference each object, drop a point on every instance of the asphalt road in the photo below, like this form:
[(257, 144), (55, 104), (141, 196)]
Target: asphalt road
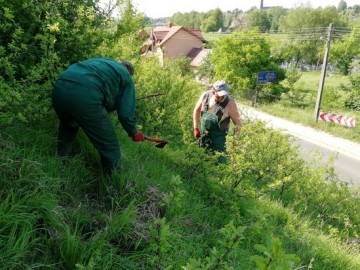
[(314, 142)]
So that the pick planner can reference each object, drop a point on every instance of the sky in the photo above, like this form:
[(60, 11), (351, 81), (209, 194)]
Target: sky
[(166, 8)]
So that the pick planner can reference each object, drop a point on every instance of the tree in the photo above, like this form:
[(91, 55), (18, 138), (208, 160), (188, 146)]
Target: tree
[(39, 38), (342, 6), (259, 19), (129, 21), (238, 58), (302, 29), (275, 17), (213, 22), (192, 20), (345, 49)]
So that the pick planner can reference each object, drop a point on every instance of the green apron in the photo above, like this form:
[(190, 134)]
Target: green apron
[(213, 128)]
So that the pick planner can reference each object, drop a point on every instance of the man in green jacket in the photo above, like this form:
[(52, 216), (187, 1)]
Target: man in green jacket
[(83, 95)]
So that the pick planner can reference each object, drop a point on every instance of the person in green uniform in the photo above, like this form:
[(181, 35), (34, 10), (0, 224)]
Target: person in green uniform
[(83, 95), (213, 111)]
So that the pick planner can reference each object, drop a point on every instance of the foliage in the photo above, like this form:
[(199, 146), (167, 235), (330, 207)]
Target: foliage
[(169, 209), (292, 75), (130, 21), (40, 40), (254, 167), (210, 21), (353, 89), (160, 235), (276, 15), (37, 41), (206, 70), (62, 213), (220, 257), (342, 6), (273, 256), (345, 50), (238, 58), (192, 20), (293, 97), (304, 26), (213, 21), (259, 19), (160, 114)]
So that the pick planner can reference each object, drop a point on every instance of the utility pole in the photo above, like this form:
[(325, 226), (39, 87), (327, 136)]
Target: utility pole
[(323, 74)]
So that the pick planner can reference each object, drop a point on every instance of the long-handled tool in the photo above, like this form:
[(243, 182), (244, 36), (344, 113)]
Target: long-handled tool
[(160, 142)]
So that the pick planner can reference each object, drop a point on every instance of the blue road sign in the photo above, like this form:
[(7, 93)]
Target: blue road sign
[(266, 76)]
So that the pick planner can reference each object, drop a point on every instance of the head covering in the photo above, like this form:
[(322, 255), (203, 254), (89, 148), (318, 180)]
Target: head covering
[(221, 87), (128, 66)]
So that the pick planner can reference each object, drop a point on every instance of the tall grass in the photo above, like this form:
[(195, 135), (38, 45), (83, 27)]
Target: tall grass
[(169, 208), (310, 80)]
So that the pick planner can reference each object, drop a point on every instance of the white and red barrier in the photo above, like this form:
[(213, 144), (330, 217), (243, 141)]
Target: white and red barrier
[(338, 119)]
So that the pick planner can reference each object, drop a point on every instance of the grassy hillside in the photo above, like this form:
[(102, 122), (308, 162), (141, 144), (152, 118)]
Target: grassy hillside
[(310, 80), (170, 208)]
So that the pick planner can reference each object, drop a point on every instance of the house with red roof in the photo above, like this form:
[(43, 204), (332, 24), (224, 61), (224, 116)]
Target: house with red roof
[(173, 41)]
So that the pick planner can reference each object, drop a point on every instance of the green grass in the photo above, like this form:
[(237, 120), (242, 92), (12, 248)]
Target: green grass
[(166, 210), (311, 80), (213, 36)]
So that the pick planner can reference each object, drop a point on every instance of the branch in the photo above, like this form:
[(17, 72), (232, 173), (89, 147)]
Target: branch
[(149, 96)]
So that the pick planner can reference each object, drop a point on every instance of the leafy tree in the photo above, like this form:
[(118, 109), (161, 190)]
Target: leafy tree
[(345, 50), (353, 92), (275, 17), (238, 58), (130, 21), (342, 6), (192, 20), (356, 9), (213, 22), (259, 19), (206, 70), (161, 114), (302, 29), (39, 38)]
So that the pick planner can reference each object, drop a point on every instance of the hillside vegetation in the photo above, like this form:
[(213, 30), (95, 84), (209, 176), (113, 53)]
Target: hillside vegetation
[(173, 207), (170, 208)]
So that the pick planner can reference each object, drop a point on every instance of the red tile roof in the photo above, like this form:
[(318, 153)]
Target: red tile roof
[(163, 33)]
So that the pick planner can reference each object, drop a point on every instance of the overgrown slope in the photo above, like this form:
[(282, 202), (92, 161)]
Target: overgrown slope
[(170, 208)]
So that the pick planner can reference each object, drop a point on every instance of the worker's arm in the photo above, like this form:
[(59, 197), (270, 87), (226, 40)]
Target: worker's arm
[(196, 116), (197, 111), (235, 117), (126, 105)]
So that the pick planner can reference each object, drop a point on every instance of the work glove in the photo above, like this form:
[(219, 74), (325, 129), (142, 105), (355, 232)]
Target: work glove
[(138, 137), (196, 133)]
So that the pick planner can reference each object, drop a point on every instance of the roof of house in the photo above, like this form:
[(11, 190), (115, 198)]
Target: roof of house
[(198, 55), (164, 33)]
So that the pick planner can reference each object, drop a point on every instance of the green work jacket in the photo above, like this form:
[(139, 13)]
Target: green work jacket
[(113, 81)]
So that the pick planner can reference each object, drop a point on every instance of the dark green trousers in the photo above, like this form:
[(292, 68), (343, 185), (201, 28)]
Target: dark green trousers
[(81, 107), (213, 139)]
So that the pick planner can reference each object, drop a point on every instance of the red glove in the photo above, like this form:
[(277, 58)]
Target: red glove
[(196, 133), (138, 137)]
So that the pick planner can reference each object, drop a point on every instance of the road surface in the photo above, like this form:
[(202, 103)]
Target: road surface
[(311, 141)]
